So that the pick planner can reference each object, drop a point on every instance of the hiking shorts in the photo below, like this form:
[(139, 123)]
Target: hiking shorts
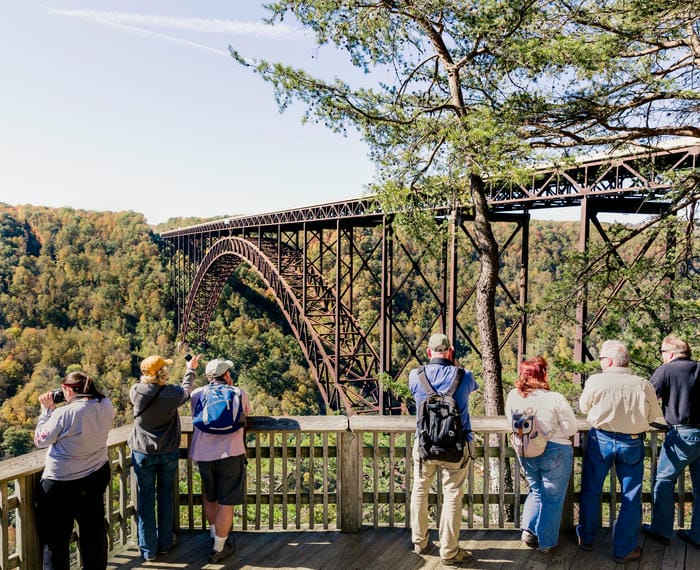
[(222, 480)]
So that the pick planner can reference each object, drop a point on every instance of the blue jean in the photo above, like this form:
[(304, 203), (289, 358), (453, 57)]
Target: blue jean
[(548, 476), (603, 448), (681, 447), (155, 477)]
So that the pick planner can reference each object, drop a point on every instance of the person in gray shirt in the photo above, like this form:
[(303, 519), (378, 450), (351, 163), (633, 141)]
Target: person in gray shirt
[(76, 472), (155, 448)]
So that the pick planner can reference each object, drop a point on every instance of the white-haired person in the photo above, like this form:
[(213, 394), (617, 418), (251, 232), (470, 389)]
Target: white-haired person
[(155, 449), (677, 383), (620, 407)]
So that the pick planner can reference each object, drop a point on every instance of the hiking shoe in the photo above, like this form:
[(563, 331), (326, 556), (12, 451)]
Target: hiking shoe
[(633, 556), (529, 539), (462, 556), (684, 535), (218, 556), (418, 549), (646, 529)]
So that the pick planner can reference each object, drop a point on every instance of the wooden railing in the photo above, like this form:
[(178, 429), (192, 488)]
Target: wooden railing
[(329, 472)]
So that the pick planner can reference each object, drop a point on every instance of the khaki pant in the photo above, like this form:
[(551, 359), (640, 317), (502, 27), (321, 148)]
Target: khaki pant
[(453, 477)]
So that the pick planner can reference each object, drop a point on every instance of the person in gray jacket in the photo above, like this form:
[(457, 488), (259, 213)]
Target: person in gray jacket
[(155, 448)]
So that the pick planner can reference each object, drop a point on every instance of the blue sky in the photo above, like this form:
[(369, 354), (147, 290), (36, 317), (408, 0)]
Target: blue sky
[(133, 105)]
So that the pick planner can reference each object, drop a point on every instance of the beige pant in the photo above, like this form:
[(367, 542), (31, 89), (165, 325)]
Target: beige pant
[(453, 477)]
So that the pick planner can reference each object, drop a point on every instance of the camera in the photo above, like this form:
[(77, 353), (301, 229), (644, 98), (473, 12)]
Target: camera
[(58, 396)]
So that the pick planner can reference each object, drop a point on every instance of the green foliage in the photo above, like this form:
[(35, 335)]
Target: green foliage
[(90, 291), (398, 388), (78, 290), (16, 441)]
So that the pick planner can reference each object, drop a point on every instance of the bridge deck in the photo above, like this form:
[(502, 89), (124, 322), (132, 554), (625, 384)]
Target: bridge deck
[(391, 549)]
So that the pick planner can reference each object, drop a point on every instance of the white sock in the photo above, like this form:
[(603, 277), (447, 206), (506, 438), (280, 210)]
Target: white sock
[(219, 543), (212, 532)]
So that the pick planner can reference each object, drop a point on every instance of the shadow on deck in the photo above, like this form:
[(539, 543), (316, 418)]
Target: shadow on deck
[(391, 549)]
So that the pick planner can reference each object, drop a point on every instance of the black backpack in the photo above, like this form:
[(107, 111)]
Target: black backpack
[(439, 420)]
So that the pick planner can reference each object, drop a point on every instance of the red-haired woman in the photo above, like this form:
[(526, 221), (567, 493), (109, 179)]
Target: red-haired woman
[(548, 473)]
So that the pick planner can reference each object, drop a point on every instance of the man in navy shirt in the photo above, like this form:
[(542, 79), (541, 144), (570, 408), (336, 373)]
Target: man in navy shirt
[(677, 383), (441, 372)]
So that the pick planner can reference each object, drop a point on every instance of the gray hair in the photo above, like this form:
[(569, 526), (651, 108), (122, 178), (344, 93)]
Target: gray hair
[(677, 345), (616, 352)]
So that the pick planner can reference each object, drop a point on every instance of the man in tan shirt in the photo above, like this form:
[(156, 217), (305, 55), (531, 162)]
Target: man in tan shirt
[(620, 407)]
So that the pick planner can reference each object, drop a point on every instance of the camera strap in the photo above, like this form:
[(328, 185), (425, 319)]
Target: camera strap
[(153, 399)]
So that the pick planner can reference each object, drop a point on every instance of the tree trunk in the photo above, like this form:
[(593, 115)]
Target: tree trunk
[(494, 403), (485, 300)]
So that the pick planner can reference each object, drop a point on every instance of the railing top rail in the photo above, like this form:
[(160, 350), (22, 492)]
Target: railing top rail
[(33, 462)]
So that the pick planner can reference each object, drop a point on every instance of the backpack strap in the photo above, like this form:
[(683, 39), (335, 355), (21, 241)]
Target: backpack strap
[(428, 387), (425, 383), (455, 383)]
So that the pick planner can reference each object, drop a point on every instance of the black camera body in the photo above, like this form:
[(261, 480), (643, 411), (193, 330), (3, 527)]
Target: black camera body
[(58, 396)]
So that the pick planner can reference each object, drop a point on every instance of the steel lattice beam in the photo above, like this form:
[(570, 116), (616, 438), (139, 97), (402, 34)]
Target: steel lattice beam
[(332, 263)]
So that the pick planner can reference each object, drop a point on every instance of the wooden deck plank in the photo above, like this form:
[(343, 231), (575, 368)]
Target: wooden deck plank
[(391, 549), (266, 549), (372, 552), (311, 549)]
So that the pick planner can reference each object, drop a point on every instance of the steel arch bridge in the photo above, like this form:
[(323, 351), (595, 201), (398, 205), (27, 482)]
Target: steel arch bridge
[(341, 272)]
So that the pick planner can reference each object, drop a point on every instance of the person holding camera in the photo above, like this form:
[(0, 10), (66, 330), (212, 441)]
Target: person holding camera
[(76, 473), (155, 449)]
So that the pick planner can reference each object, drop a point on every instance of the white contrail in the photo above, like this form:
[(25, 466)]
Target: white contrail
[(134, 23)]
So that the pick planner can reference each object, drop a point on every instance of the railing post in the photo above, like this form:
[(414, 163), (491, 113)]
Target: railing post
[(350, 482), (567, 515), (28, 534)]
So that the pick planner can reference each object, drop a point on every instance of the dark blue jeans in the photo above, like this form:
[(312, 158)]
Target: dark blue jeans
[(155, 477), (603, 449), (681, 448)]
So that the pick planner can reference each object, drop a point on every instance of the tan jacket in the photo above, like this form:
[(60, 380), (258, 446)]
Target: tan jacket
[(617, 400)]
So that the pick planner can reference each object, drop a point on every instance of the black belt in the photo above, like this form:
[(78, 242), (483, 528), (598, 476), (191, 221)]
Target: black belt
[(616, 433)]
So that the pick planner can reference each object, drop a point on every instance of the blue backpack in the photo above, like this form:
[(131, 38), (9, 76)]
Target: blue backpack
[(219, 409)]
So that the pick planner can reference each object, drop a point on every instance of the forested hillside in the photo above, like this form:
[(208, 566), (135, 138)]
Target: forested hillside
[(90, 290)]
